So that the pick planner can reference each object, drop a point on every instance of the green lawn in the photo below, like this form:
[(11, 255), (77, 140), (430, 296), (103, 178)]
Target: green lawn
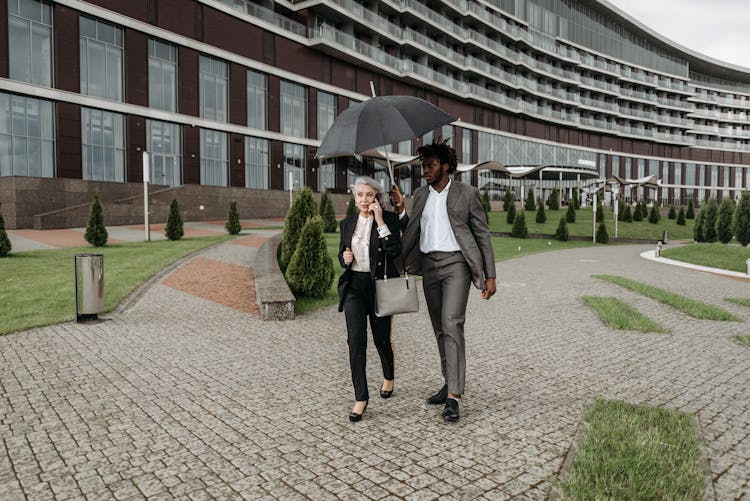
[(634, 452), (716, 255), (583, 225), (620, 315), (36, 287), (744, 340), (742, 301), (694, 308)]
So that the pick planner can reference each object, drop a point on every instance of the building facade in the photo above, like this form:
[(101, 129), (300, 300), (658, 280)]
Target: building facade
[(238, 93)]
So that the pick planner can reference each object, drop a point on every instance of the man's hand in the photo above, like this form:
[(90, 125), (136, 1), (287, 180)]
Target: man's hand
[(397, 199), (490, 289)]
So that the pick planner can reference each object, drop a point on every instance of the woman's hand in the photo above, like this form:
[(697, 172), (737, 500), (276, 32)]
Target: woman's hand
[(377, 211), (348, 256)]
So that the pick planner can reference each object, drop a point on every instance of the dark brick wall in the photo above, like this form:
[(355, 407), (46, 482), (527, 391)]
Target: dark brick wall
[(191, 159), (237, 160), (136, 68), (66, 67), (187, 85), (135, 146), (68, 143), (137, 9)]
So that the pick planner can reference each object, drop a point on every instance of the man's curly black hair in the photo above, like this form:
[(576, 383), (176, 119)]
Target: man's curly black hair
[(440, 149)]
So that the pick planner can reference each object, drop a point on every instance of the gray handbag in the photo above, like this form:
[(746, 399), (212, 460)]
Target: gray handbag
[(396, 294)]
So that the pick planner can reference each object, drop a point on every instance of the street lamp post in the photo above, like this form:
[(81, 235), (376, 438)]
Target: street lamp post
[(615, 192)]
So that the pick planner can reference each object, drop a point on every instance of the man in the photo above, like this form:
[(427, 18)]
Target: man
[(446, 240)]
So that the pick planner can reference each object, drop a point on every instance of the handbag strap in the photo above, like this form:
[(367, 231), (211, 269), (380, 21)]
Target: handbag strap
[(385, 262)]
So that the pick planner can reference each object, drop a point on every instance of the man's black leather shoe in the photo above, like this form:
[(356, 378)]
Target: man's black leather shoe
[(439, 397), (450, 413)]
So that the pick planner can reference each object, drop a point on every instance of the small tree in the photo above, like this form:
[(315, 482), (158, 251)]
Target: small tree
[(637, 213), (510, 216), (5, 246), (554, 200), (576, 198), (570, 214), (742, 219), (561, 233), (710, 215), (310, 271), (541, 217), (303, 207), (620, 209), (519, 226), (174, 229), (724, 230), (690, 214), (644, 209), (654, 216), (698, 234), (351, 208), (627, 216), (599, 211), (233, 225), (601, 234), (486, 205), (96, 232), (508, 200), (530, 202), (672, 213), (681, 217), (327, 213)]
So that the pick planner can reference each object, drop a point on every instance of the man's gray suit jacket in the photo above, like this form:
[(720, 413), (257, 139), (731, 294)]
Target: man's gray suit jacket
[(469, 225)]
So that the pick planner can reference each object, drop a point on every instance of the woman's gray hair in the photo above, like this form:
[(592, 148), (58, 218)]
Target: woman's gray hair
[(368, 181)]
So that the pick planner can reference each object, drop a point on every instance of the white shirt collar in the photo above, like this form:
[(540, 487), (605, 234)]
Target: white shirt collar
[(445, 190)]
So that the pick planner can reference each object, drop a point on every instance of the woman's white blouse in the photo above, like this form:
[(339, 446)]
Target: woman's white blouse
[(361, 243)]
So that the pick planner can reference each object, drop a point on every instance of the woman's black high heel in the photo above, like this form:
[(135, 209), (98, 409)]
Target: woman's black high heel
[(354, 417), (386, 394)]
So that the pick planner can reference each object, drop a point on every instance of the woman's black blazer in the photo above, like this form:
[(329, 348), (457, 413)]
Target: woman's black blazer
[(382, 251)]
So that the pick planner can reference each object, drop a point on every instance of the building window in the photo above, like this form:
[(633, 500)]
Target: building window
[(103, 142), (446, 134), (327, 175), (214, 81), (257, 97), (257, 163), (101, 59), (27, 137), (465, 177), (404, 147), (214, 158), (294, 166), (163, 141), (326, 112), (30, 41), (293, 109), (162, 76)]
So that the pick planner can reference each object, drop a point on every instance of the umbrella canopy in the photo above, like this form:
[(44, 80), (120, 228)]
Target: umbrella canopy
[(380, 121)]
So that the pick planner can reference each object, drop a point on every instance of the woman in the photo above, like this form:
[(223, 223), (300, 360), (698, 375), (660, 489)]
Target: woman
[(369, 243)]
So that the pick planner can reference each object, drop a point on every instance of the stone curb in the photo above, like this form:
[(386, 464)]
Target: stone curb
[(275, 300)]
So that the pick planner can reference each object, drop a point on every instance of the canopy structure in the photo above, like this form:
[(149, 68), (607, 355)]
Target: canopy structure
[(647, 182), (396, 159)]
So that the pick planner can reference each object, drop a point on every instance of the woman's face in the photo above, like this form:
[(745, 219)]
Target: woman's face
[(364, 195)]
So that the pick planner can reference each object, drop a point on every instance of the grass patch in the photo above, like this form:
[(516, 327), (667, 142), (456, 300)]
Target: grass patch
[(744, 340), (583, 225), (739, 300), (694, 308), (635, 452), (620, 315), (36, 287), (716, 255)]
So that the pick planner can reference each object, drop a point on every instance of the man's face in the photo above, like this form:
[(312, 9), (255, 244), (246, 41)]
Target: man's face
[(432, 171)]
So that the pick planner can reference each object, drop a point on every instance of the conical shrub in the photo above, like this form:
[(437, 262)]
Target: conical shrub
[(303, 207), (554, 200), (5, 246), (570, 214), (519, 226), (561, 233), (620, 209), (530, 202), (690, 214), (510, 216), (599, 211), (710, 215), (233, 225), (724, 229), (627, 216), (96, 232), (672, 213), (486, 204), (644, 209), (637, 214), (351, 208), (174, 229), (310, 271), (681, 217), (576, 198), (602, 237), (508, 200), (654, 216), (541, 217), (742, 219), (698, 233), (327, 213)]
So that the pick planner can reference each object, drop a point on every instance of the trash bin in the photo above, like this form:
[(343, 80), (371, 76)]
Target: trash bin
[(89, 286)]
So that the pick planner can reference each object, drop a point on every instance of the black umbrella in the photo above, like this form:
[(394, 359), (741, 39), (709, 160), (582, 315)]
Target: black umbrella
[(380, 121)]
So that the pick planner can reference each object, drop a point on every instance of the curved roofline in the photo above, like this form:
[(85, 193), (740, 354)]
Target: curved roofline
[(697, 61)]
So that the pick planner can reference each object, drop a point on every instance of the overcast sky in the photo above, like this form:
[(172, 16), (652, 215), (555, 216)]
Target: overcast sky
[(717, 28)]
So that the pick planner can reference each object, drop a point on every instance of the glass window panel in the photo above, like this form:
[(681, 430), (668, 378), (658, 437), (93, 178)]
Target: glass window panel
[(20, 49), (6, 159), (103, 151), (30, 9), (293, 109), (100, 59), (41, 50)]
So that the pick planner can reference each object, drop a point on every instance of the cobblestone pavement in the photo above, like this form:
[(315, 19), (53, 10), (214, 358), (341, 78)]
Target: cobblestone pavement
[(179, 396)]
